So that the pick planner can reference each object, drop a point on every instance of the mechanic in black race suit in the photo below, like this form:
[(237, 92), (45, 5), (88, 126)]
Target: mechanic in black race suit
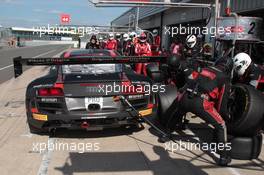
[(119, 43), (245, 71), (204, 94), (93, 44), (192, 49), (126, 45)]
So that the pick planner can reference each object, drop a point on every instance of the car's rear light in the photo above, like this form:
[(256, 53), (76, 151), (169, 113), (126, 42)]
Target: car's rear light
[(34, 110), (146, 112), (40, 117), (43, 92), (116, 98), (50, 92), (150, 105), (56, 92)]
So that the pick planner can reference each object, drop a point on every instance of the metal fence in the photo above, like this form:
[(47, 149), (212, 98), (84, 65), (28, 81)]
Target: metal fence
[(5, 35)]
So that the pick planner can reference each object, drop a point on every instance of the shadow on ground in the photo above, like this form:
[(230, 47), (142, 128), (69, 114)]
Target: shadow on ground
[(122, 162), (64, 133)]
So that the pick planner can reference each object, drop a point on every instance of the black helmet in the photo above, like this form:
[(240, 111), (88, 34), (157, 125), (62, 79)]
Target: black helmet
[(174, 62), (93, 37)]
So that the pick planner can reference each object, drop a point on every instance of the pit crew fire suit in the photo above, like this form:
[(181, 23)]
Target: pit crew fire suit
[(119, 46), (156, 46), (111, 44), (253, 76), (126, 50), (204, 94), (192, 52), (142, 49)]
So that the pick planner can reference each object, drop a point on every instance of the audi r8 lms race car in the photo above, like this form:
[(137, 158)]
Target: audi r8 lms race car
[(148, 87), (87, 95)]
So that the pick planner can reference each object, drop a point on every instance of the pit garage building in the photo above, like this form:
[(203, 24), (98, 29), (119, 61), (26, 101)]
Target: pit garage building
[(152, 17)]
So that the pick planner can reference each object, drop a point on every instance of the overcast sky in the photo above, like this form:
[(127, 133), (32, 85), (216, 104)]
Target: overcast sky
[(30, 13)]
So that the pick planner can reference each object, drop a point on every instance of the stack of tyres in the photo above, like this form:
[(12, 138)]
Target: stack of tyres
[(246, 148), (244, 125)]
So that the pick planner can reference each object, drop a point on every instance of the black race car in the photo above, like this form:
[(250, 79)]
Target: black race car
[(85, 96)]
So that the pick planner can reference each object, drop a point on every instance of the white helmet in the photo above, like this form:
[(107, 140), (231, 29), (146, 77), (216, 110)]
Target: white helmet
[(118, 35), (155, 32), (241, 62), (125, 37), (133, 34), (111, 36), (191, 40)]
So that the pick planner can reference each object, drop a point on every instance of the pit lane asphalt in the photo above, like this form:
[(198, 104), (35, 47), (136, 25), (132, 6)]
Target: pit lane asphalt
[(7, 55), (121, 151)]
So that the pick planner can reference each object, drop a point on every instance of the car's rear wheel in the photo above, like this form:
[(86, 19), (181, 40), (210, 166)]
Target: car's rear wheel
[(246, 111)]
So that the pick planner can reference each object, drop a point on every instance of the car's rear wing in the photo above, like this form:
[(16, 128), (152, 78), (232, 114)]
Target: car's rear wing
[(19, 61)]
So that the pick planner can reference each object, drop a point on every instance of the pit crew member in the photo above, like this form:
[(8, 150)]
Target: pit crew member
[(93, 44), (111, 43), (142, 48), (245, 71), (204, 95)]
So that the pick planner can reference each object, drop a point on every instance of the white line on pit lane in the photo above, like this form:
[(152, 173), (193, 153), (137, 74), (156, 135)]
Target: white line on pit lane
[(44, 53), (46, 158), (231, 170), (6, 67), (11, 65)]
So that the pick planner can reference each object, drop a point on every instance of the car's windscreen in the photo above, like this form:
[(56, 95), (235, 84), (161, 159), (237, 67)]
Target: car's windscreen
[(92, 69)]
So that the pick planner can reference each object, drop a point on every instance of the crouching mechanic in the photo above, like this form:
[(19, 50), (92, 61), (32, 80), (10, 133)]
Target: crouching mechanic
[(204, 94), (245, 71)]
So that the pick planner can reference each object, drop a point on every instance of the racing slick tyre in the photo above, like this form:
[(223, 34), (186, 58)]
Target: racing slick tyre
[(165, 100), (246, 148), (246, 111), (154, 72)]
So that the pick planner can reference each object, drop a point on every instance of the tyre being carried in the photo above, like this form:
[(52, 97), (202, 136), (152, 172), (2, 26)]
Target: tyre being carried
[(246, 111)]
